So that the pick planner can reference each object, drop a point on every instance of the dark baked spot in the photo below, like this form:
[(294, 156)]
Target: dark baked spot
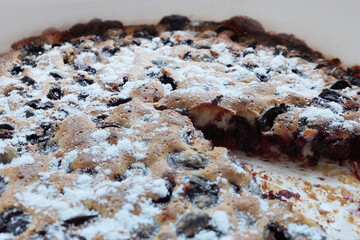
[(148, 32), (165, 79), (175, 22), (342, 84), (14, 220), (201, 192), (192, 223), (79, 220), (28, 80), (16, 70), (6, 131), (193, 162), (217, 100), (55, 93), (331, 96), (273, 231), (118, 101), (37, 104), (243, 25), (268, 118)]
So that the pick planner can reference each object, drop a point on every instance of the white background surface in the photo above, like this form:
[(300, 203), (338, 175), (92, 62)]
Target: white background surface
[(331, 26)]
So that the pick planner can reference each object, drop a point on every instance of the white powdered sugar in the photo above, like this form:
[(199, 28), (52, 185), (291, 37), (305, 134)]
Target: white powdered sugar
[(304, 230), (220, 220)]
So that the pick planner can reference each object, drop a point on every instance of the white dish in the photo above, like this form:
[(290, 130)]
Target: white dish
[(329, 26)]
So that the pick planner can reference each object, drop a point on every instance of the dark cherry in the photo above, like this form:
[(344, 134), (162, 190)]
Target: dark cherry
[(6, 127), (83, 81), (85, 68), (79, 220), (145, 231), (55, 75), (165, 79), (148, 32), (342, 84), (35, 48), (191, 224), (187, 56), (16, 70), (194, 162), (119, 177), (110, 51), (107, 124), (29, 114), (354, 81), (236, 188), (89, 171), (3, 185), (214, 133), (163, 200), (28, 80), (268, 118), (83, 96), (37, 104), (331, 96), (273, 231), (188, 42), (35, 138), (262, 77), (167, 42), (45, 126), (280, 195), (55, 93), (118, 101), (201, 192), (175, 22), (6, 131), (14, 220)]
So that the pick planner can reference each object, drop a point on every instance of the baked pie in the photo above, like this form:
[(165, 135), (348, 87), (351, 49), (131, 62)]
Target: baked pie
[(126, 132)]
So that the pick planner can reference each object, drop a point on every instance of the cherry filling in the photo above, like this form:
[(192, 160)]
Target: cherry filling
[(223, 128), (14, 220)]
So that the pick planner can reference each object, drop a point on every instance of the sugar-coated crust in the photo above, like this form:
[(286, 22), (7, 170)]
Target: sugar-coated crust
[(119, 132)]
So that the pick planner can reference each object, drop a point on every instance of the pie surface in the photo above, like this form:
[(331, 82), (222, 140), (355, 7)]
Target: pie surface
[(126, 132)]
